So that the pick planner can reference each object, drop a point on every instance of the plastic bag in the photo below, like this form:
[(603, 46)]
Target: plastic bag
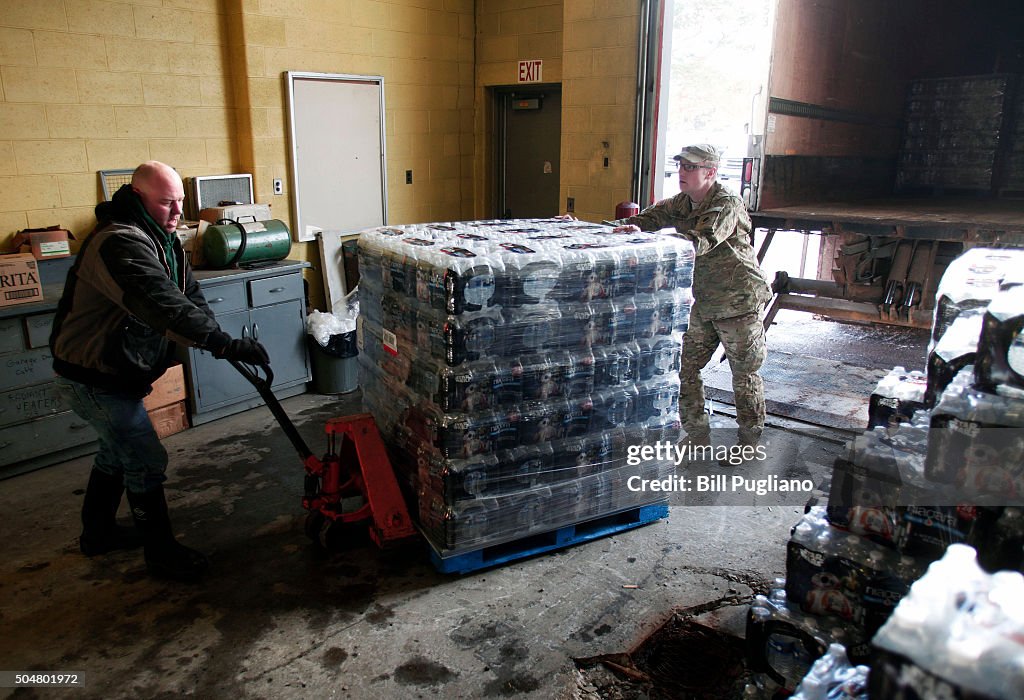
[(323, 326)]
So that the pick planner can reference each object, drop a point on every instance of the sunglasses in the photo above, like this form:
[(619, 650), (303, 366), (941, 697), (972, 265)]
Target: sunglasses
[(690, 167)]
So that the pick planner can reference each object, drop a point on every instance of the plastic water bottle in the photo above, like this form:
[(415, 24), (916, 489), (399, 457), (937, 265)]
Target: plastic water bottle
[(962, 626), (833, 677)]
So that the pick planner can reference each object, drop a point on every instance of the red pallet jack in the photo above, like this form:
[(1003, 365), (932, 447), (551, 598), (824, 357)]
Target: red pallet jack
[(359, 488)]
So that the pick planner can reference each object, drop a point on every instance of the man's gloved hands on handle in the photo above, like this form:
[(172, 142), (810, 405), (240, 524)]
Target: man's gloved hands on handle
[(246, 350)]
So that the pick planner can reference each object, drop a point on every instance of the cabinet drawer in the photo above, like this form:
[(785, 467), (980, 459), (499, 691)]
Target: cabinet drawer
[(11, 337), (26, 368), (39, 327), (43, 436), (28, 402), (225, 298), (275, 289)]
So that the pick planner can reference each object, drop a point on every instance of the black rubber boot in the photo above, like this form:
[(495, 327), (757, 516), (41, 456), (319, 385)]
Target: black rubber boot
[(165, 556), (100, 531)]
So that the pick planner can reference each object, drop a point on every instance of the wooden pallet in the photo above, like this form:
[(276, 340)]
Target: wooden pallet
[(494, 555)]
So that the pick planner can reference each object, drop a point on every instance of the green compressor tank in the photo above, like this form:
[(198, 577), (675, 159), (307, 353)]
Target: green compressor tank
[(232, 243)]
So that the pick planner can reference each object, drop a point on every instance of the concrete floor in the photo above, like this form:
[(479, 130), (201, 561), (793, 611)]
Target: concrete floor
[(278, 617)]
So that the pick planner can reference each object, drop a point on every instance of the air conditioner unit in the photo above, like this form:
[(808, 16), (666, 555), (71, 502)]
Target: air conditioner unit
[(213, 190)]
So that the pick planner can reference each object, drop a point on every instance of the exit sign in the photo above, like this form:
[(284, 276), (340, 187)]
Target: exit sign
[(530, 71)]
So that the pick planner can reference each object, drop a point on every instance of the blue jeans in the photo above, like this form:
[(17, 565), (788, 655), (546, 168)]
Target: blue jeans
[(128, 444)]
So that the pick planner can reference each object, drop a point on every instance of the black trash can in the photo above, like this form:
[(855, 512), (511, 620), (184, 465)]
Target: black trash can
[(335, 367)]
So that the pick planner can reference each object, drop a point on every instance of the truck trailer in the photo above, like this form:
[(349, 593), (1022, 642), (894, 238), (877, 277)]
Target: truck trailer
[(896, 131)]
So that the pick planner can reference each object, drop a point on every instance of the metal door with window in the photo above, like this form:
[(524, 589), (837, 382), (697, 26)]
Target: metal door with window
[(528, 145)]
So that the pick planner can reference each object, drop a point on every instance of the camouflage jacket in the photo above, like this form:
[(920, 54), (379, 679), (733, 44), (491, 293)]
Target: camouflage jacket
[(727, 280)]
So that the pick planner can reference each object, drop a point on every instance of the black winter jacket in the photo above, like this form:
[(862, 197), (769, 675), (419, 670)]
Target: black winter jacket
[(121, 311)]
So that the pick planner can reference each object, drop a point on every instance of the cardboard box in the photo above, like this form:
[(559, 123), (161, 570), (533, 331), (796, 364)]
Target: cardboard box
[(169, 420), (168, 389), (237, 212), (19, 279), (44, 243), (191, 237)]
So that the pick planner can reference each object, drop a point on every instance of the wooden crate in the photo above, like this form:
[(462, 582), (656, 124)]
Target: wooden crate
[(168, 420), (168, 389)]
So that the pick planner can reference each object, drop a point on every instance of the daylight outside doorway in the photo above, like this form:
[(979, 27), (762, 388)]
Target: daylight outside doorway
[(719, 53)]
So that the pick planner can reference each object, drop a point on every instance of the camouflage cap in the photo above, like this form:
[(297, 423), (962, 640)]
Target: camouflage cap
[(700, 153)]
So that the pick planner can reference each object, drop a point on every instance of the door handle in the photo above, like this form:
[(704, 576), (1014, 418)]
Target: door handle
[(255, 331)]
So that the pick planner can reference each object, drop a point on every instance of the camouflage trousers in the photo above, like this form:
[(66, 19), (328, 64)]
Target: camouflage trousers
[(743, 339)]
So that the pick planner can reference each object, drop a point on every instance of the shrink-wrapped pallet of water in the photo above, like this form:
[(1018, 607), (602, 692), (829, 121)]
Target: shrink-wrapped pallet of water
[(510, 363)]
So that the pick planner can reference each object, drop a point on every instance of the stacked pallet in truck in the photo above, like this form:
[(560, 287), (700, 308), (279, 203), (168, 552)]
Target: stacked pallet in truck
[(509, 364), (958, 182)]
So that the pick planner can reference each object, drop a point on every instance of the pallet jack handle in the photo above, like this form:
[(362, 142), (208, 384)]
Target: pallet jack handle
[(262, 385), (326, 481)]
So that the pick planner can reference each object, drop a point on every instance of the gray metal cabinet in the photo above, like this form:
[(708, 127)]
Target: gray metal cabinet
[(266, 304), (36, 427)]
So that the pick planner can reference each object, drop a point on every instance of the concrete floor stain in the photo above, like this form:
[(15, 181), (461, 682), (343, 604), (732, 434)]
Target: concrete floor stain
[(420, 670), (334, 657), (514, 651), (507, 687), (470, 634), (31, 568), (379, 615), (276, 609)]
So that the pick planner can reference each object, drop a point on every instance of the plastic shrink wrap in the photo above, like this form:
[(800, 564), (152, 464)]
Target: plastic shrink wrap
[(510, 363), (971, 281), (957, 634)]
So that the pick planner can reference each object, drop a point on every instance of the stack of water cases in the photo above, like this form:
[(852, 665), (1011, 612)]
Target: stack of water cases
[(850, 563), (897, 397), (1014, 185), (976, 436), (954, 131), (510, 363), (783, 641), (836, 573), (956, 635), (833, 677), (941, 465), (966, 289)]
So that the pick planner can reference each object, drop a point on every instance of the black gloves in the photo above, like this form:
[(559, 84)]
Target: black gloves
[(248, 351), (244, 350)]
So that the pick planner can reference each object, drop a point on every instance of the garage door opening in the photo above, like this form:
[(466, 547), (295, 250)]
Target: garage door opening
[(718, 55), (714, 86)]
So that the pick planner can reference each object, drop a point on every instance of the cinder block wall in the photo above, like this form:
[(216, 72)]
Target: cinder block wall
[(91, 85), (598, 104), (589, 46), (508, 31), (88, 85), (424, 51)]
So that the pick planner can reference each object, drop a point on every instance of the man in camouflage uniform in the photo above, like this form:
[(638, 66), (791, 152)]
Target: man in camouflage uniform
[(729, 290)]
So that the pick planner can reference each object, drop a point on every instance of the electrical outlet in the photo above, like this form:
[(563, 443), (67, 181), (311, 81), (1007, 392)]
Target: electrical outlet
[(570, 204), (408, 177), (278, 186)]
